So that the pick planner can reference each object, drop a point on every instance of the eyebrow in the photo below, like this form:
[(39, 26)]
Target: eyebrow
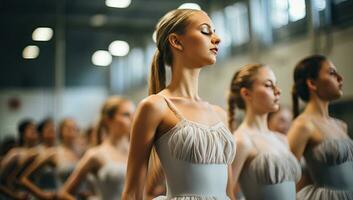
[(273, 82)]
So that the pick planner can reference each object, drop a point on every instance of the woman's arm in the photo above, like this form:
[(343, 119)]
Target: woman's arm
[(230, 184), (43, 159), (299, 136), (244, 148), (88, 163), (148, 116), (155, 183)]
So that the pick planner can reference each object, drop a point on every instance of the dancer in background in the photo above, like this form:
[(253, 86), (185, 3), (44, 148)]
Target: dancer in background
[(18, 159), (63, 158), (281, 120), (107, 162), (190, 137), (264, 166), (320, 138)]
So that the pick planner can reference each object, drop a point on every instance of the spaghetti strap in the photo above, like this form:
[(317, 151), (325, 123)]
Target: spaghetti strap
[(172, 107)]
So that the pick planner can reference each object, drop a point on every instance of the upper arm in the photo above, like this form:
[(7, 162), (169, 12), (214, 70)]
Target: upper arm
[(148, 116), (244, 147), (230, 184), (41, 160), (87, 164), (299, 135)]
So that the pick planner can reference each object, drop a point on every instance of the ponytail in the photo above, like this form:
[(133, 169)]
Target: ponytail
[(157, 80), (100, 129), (295, 100)]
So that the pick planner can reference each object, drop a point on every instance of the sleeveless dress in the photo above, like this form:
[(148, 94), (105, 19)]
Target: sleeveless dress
[(272, 173), (195, 159), (110, 180), (330, 165)]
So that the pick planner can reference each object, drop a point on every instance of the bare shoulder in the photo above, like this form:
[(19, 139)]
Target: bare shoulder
[(242, 140), (341, 124), (153, 104), (220, 112), (93, 155), (302, 125)]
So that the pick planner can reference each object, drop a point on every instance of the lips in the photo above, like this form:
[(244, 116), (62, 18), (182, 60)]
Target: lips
[(214, 50)]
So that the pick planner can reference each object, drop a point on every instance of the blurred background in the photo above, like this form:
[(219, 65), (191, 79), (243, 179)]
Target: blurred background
[(63, 58)]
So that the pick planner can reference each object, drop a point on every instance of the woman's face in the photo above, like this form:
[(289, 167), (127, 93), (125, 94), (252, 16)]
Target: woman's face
[(264, 94), (123, 118), (49, 133), (281, 121), (70, 131), (30, 134), (329, 83), (199, 42)]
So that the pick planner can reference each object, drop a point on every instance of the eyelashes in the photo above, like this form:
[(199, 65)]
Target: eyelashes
[(207, 30)]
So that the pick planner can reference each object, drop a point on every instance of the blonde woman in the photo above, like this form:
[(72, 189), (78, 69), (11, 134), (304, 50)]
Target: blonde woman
[(190, 136)]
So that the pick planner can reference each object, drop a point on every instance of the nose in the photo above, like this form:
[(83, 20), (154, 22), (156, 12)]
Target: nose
[(339, 78), (215, 39), (277, 90)]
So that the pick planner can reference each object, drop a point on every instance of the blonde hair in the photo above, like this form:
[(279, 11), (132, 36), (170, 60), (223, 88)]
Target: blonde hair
[(174, 21), (243, 78), (109, 109)]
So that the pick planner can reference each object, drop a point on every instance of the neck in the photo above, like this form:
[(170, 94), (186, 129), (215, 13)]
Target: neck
[(68, 145), (113, 138), (318, 107), (256, 121), (184, 82)]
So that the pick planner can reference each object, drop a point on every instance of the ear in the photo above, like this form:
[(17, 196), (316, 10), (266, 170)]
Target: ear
[(174, 41), (311, 84), (245, 93)]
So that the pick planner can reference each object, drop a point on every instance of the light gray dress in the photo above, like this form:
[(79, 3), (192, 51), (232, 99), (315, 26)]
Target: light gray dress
[(330, 165), (272, 173), (110, 180), (195, 159)]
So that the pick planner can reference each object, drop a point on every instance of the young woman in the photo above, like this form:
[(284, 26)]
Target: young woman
[(107, 162), (62, 158), (321, 139), (193, 143), (264, 167), (280, 121), (18, 159)]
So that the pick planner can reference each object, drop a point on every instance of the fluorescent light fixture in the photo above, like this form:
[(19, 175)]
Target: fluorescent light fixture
[(101, 58), (190, 6), (30, 52), (119, 48), (42, 34), (118, 3), (98, 20)]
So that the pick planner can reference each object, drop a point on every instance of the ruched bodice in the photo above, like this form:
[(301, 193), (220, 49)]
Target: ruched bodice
[(195, 159), (330, 165), (110, 180), (272, 172)]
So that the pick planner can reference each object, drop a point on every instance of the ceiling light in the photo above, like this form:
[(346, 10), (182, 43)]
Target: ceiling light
[(190, 6), (101, 58), (118, 3), (42, 34), (119, 48), (98, 20), (30, 52)]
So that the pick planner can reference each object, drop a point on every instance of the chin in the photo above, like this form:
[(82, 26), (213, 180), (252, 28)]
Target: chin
[(275, 108)]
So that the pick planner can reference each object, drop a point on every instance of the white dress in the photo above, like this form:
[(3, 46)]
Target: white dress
[(195, 159), (272, 173), (330, 165)]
